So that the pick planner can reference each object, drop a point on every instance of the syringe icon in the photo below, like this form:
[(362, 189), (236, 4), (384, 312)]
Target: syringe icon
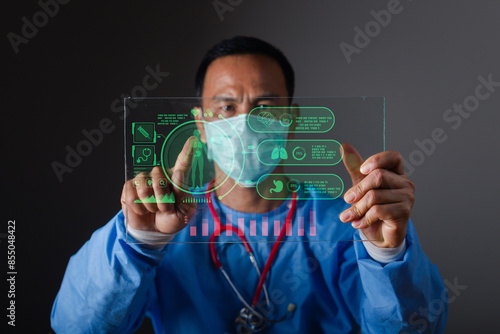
[(143, 132)]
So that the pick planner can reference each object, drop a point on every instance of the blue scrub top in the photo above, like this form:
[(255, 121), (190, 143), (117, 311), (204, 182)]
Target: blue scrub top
[(110, 285)]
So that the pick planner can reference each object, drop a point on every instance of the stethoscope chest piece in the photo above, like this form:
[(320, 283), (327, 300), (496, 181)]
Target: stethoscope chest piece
[(249, 322)]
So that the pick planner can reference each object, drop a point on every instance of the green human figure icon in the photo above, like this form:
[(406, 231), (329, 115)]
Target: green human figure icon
[(198, 160)]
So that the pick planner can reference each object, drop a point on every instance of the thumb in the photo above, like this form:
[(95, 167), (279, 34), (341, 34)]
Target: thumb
[(352, 161)]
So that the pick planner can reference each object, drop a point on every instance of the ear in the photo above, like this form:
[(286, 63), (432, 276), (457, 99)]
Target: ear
[(199, 123)]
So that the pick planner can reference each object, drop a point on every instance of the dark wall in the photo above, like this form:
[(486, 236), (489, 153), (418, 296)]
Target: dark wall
[(67, 76)]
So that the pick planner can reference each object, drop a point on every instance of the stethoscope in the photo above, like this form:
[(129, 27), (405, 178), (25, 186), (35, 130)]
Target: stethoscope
[(250, 320), (145, 156)]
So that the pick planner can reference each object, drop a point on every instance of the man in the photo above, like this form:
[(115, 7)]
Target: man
[(377, 286)]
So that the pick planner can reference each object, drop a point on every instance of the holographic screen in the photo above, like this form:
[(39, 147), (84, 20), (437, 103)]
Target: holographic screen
[(274, 147)]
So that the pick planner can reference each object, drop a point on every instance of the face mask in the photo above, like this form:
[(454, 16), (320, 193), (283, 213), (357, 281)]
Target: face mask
[(228, 138)]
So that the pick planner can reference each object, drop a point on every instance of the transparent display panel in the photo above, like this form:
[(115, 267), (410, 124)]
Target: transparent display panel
[(196, 157)]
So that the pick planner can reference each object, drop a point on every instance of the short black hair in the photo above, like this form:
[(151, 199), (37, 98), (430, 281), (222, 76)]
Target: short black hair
[(245, 45)]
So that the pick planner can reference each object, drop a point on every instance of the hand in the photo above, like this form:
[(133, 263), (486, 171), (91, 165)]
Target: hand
[(160, 217), (381, 196)]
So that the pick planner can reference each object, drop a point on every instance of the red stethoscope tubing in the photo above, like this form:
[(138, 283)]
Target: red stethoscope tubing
[(274, 250)]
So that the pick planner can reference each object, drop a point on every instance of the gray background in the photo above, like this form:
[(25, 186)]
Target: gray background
[(65, 79)]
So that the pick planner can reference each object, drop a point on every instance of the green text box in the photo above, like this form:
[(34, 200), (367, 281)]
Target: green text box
[(328, 186), (303, 152), (292, 119)]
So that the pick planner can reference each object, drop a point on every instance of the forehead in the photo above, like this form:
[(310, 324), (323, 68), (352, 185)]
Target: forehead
[(244, 75)]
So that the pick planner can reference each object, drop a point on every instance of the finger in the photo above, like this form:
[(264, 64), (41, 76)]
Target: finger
[(183, 163), (128, 199), (162, 190), (131, 209), (352, 162), (180, 175), (145, 194), (372, 198), (169, 222), (390, 160), (391, 214), (378, 178)]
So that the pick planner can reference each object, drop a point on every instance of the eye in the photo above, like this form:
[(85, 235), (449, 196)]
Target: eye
[(228, 108)]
